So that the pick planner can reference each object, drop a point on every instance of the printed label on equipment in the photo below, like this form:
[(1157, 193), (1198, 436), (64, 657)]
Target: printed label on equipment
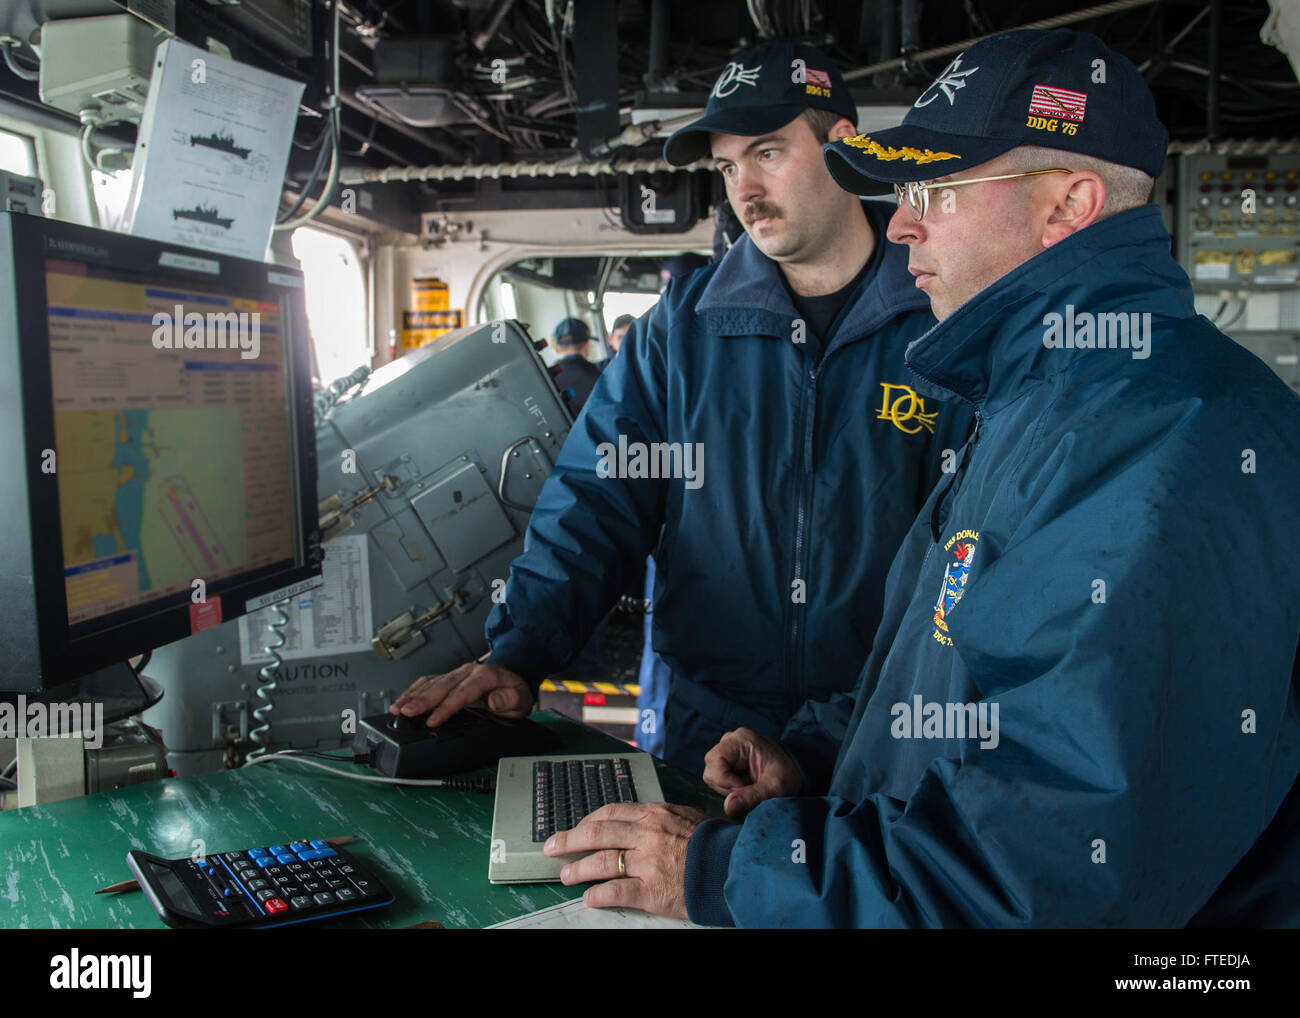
[(301, 587), (1211, 264), (205, 615), (334, 618), (173, 260)]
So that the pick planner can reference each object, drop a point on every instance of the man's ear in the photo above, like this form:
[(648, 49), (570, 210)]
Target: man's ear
[(1078, 205), (843, 129)]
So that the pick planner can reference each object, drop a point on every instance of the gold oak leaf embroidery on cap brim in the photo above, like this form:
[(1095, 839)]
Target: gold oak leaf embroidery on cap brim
[(920, 156)]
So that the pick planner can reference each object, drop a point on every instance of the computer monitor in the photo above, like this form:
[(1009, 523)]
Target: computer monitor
[(156, 404)]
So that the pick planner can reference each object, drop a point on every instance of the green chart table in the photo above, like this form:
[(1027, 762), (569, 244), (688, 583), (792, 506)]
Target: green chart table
[(429, 845)]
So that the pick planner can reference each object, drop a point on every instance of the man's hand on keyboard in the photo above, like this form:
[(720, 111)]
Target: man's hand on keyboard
[(652, 836), (507, 694), (747, 768)]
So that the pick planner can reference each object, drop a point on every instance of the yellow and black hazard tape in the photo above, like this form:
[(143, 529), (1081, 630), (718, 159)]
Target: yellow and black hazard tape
[(574, 686)]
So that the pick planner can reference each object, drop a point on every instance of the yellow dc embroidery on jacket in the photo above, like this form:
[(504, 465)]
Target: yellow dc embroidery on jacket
[(888, 154), (903, 408)]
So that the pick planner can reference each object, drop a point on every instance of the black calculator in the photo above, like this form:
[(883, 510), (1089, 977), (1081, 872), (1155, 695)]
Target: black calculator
[(261, 887)]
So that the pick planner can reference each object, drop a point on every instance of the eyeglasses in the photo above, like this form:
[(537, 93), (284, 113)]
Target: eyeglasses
[(917, 195)]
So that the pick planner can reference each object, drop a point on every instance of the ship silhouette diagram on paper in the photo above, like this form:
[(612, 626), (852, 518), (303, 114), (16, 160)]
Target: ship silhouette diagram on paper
[(202, 214), (220, 142)]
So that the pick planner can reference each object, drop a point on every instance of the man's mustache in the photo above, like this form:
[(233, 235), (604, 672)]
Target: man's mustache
[(760, 210)]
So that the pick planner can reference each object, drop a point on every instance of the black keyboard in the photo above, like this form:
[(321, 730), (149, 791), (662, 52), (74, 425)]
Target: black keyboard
[(565, 791), (267, 886)]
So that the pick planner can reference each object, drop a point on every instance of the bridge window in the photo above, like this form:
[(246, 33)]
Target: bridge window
[(542, 290), (336, 301), (111, 193), (17, 154)]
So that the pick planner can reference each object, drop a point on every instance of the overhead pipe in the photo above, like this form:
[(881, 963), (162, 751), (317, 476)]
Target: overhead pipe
[(515, 171)]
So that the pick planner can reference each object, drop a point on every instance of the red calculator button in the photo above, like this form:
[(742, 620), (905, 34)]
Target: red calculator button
[(276, 905)]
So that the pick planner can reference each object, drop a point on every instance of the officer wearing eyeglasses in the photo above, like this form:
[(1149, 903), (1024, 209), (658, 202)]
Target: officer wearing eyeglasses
[(1081, 707)]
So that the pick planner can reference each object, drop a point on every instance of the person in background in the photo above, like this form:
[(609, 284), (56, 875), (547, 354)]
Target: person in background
[(616, 334), (577, 374)]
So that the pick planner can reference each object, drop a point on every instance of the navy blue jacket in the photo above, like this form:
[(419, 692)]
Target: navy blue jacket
[(771, 566), (1110, 568)]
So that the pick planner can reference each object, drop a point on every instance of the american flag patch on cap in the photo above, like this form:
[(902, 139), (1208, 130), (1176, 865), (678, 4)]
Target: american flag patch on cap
[(819, 78), (1048, 101)]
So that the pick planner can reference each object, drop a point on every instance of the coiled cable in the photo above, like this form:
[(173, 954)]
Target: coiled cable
[(266, 677)]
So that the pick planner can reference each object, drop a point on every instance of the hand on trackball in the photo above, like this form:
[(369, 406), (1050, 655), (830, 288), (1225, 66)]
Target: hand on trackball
[(506, 693)]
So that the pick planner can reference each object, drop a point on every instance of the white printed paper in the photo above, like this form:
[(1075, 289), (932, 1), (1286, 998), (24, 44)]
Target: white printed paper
[(210, 157), (574, 915), (334, 618)]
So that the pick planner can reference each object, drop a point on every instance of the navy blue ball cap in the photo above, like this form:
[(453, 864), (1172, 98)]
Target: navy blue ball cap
[(572, 332), (1057, 89), (761, 90)]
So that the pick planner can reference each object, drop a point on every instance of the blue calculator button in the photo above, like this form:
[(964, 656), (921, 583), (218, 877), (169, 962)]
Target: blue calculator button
[(310, 855), (264, 861), (288, 858), (202, 862), (326, 853), (279, 849), (318, 844), (258, 853), (300, 846)]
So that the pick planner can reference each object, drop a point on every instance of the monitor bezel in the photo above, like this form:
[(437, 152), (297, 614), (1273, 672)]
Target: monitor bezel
[(67, 652)]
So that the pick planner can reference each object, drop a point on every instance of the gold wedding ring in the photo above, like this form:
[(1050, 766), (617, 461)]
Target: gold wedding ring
[(622, 862)]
